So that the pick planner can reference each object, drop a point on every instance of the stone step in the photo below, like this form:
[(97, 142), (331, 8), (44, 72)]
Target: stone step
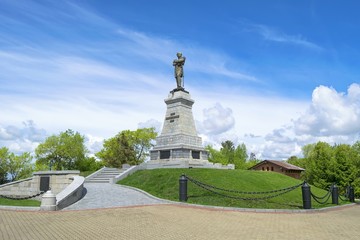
[(110, 170), (95, 180), (105, 175), (110, 173)]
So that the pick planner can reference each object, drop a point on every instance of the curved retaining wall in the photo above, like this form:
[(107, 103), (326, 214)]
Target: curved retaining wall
[(71, 194)]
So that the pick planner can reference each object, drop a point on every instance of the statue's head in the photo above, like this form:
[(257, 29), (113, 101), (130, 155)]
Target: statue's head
[(179, 54)]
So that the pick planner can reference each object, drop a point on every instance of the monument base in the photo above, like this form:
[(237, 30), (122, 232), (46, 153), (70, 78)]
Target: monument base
[(185, 163)]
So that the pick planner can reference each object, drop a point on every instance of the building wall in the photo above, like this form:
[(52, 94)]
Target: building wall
[(296, 174), (270, 167)]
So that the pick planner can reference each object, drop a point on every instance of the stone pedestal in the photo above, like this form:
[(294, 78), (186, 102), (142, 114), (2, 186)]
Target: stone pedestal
[(178, 145), (178, 141), (48, 202)]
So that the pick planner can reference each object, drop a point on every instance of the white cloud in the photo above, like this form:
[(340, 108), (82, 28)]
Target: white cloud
[(21, 139), (93, 144), (151, 123), (332, 117), (217, 120), (331, 113)]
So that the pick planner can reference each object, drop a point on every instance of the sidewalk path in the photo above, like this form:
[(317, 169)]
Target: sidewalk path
[(106, 195)]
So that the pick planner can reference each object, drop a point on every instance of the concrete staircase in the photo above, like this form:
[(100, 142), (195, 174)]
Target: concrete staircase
[(104, 175)]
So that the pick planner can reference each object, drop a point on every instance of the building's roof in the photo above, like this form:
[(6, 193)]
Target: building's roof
[(283, 164)]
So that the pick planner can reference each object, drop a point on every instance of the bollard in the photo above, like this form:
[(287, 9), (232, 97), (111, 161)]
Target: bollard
[(48, 202), (306, 195), (183, 188), (335, 194), (351, 194)]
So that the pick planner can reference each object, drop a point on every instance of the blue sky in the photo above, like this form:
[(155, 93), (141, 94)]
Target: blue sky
[(275, 75)]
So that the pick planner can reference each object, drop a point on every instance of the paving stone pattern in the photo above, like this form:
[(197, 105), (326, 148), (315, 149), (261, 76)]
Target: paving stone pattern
[(179, 222), (106, 195)]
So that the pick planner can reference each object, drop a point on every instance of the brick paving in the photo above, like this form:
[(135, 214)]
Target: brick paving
[(179, 222)]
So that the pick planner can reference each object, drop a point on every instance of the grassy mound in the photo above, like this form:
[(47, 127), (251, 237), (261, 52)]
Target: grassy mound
[(164, 183), (23, 203)]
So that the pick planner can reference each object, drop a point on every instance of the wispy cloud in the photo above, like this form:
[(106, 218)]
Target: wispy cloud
[(271, 34)]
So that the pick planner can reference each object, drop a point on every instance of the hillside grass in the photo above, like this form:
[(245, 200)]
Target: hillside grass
[(86, 173), (23, 203), (164, 183)]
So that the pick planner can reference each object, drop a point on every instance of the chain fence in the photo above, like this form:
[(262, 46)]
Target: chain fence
[(319, 199), (324, 199), (22, 198), (346, 196), (270, 194)]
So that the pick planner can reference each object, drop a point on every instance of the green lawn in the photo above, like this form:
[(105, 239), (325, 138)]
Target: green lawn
[(86, 173), (164, 183), (24, 203)]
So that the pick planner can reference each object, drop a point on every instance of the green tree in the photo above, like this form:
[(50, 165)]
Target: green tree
[(142, 141), (240, 156), (4, 159), (252, 161), (356, 148), (344, 171), (318, 164), (20, 166), (356, 183), (300, 162), (89, 164), (229, 154), (215, 156), (14, 167), (61, 151), (228, 151), (307, 149), (130, 147)]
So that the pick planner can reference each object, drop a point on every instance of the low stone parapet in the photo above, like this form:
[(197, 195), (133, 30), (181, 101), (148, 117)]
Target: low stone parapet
[(21, 188), (71, 194)]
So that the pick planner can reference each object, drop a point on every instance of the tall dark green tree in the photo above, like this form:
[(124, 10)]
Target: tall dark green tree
[(318, 165), (344, 170), (61, 152), (228, 151)]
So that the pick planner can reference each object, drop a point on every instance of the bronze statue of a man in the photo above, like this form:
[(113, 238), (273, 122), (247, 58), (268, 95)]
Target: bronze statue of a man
[(179, 71)]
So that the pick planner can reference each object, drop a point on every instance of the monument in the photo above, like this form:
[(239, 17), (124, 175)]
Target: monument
[(178, 144)]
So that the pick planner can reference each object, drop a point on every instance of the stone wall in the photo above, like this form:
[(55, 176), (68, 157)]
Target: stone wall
[(22, 188), (59, 180)]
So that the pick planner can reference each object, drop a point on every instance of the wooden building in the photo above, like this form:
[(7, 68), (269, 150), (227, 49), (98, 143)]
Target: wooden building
[(279, 167)]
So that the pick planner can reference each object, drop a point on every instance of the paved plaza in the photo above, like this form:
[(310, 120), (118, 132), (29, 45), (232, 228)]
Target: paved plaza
[(110, 211), (179, 222)]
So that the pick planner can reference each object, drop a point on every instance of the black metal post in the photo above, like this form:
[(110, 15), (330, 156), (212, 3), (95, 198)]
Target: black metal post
[(335, 194), (183, 188), (306, 195), (351, 194)]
